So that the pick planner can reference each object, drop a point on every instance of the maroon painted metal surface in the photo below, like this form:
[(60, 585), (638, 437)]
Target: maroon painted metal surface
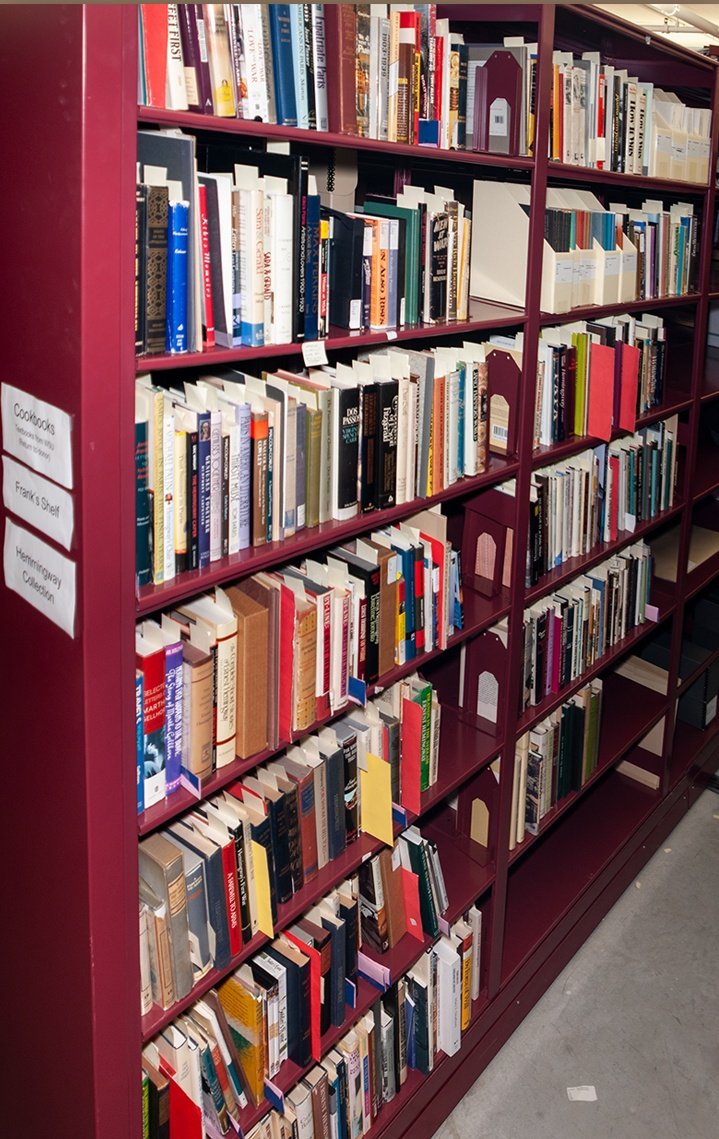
[(68, 192)]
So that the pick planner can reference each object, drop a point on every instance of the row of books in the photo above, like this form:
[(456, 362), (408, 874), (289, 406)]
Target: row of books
[(593, 255), (595, 377), (393, 72), (209, 1064), (599, 494), (275, 264), (303, 809), (606, 118), (566, 632), (556, 757), (235, 461), (248, 668)]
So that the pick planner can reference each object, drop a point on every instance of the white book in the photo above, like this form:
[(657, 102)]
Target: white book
[(175, 86), (168, 488), (474, 916), (257, 79), (300, 1099), (282, 212), (449, 995)]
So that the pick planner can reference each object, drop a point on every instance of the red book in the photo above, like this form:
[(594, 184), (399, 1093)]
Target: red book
[(154, 52), (341, 48), (208, 324), (438, 76), (411, 756), (218, 832), (315, 989), (601, 391)]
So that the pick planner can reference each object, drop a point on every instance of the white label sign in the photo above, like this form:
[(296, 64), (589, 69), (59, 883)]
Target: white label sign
[(314, 353), (45, 578), (38, 501), (37, 433)]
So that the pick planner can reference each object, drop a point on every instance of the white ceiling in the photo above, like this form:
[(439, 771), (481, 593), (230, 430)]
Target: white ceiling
[(678, 26)]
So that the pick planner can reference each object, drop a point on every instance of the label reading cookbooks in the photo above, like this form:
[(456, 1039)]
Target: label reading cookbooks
[(45, 578), (38, 434), (38, 501)]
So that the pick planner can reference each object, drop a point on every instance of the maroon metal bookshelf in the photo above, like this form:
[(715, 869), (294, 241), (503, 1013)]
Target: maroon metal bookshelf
[(69, 145)]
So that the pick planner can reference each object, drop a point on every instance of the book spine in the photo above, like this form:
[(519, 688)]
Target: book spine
[(139, 742), (173, 716), (208, 323)]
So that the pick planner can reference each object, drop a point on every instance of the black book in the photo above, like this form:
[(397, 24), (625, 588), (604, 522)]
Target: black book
[(345, 431), (299, 1048), (279, 829), (346, 255), (439, 236), (540, 652), (140, 266), (294, 834), (369, 447), (309, 65), (225, 495), (193, 518), (155, 243), (335, 926), (347, 739), (578, 714), (370, 575), (386, 459), (392, 725)]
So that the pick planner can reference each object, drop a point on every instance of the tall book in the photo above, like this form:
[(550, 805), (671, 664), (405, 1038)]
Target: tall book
[(162, 868)]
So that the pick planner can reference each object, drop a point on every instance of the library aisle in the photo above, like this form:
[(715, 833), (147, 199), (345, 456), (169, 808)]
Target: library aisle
[(634, 1015)]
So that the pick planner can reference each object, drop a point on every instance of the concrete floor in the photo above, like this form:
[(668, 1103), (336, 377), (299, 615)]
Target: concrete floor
[(635, 1014)]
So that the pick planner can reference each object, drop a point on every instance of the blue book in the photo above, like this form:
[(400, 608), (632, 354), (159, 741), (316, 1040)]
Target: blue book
[(312, 267), (139, 742), (285, 100), (299, 63), (335, 769), (173, 713), (204, 476), (176, 311), (336, 928)]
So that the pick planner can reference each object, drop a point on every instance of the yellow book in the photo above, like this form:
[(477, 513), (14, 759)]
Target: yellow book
[(241, 1000)]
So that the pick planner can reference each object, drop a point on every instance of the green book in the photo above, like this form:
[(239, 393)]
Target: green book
[(422, 695), (383, 208)]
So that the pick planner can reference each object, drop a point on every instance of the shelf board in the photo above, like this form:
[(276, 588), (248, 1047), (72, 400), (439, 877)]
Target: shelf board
[(591, 312), (648, 184), (545, 886), (573, 567), (641, 709), (710, 382), (691, 677), (254, 559), (463, 751), (698, 578), (706, 469), (483, 316), (190, 120), (532, 715)]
